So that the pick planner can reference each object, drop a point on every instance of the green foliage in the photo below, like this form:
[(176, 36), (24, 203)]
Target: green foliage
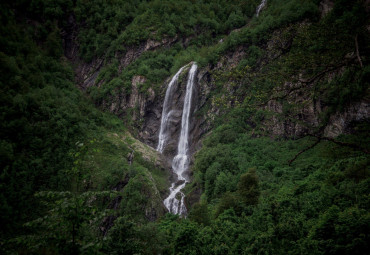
[(59, 155), (295, 203), (121, 237), (44, 120), (71, 218), (278, 14), (128, 238), (248, 187), (131, 23), (200, 214), (318, 59), (70, 225), (228, 201), (43, 116), (341, 231)]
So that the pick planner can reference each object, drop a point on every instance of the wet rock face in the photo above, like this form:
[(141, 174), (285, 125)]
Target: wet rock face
[(151, 114), (198, 125), (175, 114), (145, 107), (201, 122)]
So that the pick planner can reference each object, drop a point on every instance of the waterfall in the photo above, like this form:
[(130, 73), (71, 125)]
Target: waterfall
[(180, 162), (166, 113), (260, 6)]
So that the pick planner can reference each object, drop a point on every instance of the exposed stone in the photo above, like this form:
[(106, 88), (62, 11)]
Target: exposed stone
[(179, 182), (232, 59), (147, 105), (340, 122), (137, 100), (326, 6), (175, 115), (305, 118), (86, 73)]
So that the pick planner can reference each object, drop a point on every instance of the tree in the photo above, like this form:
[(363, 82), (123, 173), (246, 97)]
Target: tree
[(228, 201), (248, 187), (200, 214), (71, 219)]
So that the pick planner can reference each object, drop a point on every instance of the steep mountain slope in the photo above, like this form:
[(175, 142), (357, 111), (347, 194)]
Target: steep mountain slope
[(64, 164), (278, 128), (285, 57)]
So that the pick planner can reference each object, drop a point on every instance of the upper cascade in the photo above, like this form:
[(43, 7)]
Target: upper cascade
[(260, 7), (180, 162), (166, 113)]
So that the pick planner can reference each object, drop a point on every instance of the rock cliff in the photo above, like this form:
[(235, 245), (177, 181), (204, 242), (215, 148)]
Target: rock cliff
[(142, 105)]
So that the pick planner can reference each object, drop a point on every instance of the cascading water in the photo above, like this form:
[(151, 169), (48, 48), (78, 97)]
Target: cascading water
[(180, 162), (260, 7), (166, 113)]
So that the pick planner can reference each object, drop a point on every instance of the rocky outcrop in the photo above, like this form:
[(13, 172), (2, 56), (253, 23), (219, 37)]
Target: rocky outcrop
[(307, 119), (175, 115), (87, 73), (326, 6), (145, 109), (132, 53), (142, 105), (342, 122), (306, 116), (140, 100)]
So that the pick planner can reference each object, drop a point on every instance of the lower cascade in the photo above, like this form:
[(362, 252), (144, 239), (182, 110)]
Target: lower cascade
[(180, 163)]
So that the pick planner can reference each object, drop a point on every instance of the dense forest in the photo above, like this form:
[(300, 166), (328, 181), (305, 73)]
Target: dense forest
[(279, 139)]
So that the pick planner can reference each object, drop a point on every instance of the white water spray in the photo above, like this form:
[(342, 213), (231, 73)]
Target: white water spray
[(166, 113), (260, 7), (174, 202)]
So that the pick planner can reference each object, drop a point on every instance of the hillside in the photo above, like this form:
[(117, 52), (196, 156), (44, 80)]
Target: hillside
[(248, 121)]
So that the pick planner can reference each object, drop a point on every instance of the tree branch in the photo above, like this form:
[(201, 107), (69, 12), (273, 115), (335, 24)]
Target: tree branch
[(319, 75), (350, 145), (304, 150), (304, 83)]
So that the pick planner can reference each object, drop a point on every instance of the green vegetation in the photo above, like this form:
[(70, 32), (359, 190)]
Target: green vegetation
[(74, 181), (114, 26), (198, 29), (60, 156), (294, 201)]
